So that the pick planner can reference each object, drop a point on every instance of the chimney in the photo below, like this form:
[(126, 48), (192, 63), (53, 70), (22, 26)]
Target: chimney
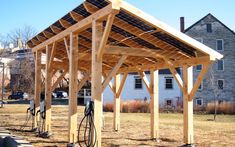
[(182, 24)]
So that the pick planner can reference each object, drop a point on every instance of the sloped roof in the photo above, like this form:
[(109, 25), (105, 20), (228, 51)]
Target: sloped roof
[(131, 28), (214, 19)]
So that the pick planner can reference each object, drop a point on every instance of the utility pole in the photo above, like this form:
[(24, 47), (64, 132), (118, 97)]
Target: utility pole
[(3, 68)]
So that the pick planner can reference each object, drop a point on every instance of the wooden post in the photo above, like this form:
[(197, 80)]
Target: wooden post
[(96, 79), (73, 67), (48, 82), (116, 112), (38, 87), (188, 105), (154, 105)]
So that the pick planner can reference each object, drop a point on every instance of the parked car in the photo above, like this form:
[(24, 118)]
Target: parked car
[(42, 95), (18, 95), (61, 94)]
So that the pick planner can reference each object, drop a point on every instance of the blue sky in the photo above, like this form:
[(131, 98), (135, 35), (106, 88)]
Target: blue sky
[(42, 13)]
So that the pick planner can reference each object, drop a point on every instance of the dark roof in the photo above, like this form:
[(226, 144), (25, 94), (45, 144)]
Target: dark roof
[(213, 18)]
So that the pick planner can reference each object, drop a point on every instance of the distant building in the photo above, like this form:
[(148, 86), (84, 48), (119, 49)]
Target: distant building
[(213, 33), (134, 89)]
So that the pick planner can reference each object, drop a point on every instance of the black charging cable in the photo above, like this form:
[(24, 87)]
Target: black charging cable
[(87, 123)]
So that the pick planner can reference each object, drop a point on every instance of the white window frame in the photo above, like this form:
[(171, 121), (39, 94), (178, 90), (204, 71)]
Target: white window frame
[(199, 69), (218, 65), (218, 83), (138, 77), (222, 44), (200, 100), (172, 83)]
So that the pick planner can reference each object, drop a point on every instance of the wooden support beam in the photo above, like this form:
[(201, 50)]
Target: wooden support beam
[(110, 83), (83, 81), (38, 87), (66, 47), (121, 85), (78, 27), (113, 72), (73, 75), (96, 80), (52, 54), (163, 65), (199, 80), (175, 75), (105, 37), (188, 105), (59, 79), (48, 91), (146, 82), (130, 51), (116, 110), (154, 104)]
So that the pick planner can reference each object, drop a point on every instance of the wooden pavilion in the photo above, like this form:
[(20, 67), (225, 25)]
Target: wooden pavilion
[(108, 39)]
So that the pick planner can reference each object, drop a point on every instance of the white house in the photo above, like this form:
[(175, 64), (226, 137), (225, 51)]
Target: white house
[(134, 88)]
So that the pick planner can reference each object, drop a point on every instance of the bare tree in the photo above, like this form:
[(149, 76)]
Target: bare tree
[(23, 75), (25, 33), (216, 92), (3, 40)]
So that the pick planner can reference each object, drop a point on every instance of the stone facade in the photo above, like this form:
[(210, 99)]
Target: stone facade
[(210, 90)]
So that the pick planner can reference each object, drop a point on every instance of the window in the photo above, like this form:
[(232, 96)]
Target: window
[(209, 27), (138, 82), (220, 44), (201, 86), (220, 84), (199, 67), (199, 102), (169, 83), (220, 65), (169, 102)]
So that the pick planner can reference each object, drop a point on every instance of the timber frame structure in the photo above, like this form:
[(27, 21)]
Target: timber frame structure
[(108, 39)]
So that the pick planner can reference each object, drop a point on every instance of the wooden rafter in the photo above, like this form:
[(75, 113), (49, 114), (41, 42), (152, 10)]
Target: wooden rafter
[(55, 29), (146, 81), (163, 65), (199, 80), (86, 77), (66, 46), (58, 80), (76, 17), (65, 23), (121, 85), (113, 71), (104, 39), (52, 54), (79, 26), (47, 34), (175, 75), (169, 30), (139, 33), (110, 83)]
